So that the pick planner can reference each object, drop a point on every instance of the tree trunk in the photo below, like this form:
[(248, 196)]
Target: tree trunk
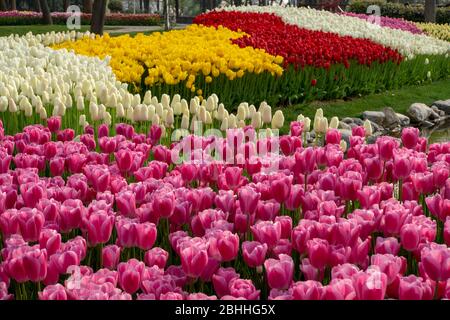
[(13, 5), (3, 5), (147, 6), (46, 14), (166, 15), (87, 6), (37, 6), (66, 4), (98, 16), (430, 10), (177, 8)]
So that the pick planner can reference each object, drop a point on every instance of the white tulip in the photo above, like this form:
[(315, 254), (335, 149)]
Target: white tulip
[(278, 120), (184, 122), (307, 125), (334, 123), (224, 125), (170, 118), (12, 107), (177, 109), (368, 128), (266, 113), (3, 104), (343, 145), (256, 120), (120, 112), (148, 97)]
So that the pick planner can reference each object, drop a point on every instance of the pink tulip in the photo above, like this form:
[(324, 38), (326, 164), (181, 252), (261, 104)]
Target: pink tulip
[(333, 136), (254, 253), (221, 281), (279, 271), (386, 146), (124, 160), (53, 292), (98, 226), (71, 213), (31, 222), (410, 236), (388, 264), (248, 200), (368, 197), (155, 133), (306, 290), (318, 252), (414, 288), (267, 232), (402, 167), (240, 288), (387, 246), (370, 285), (228, 245), (164, 205), (126, 203), (146, 235), (32, 193), (410, 137), (281, 188), (156, 257), (447, 231), (54, 124), (130, 274), (436, 263), (193, 259), (5, 162), (50, 240), (110, 256), (438, 206), (339, 289)]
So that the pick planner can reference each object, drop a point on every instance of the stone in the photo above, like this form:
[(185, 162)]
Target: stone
[(374, 116), (343, 125), (347, 120), (376, 127), (404, 120), (419, 112), (443, 105), (427, 124), (358, 121), (373, 138), (391, 119)]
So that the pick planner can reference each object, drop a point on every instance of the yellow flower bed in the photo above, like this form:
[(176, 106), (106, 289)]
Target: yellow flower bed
[(177, 56), (439, 31)]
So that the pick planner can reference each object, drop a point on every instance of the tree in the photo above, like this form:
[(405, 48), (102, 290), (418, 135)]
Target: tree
[(98, 16), (87, 6), (430, 10), (3, 5), (46, 15), (166, 15), (37, 6), (147, 6), (66, 4), (13, 5)]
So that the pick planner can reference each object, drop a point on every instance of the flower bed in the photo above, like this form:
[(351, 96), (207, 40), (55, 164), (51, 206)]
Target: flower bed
[(29, 18), (119, 216), (325, 56), (439, 31)]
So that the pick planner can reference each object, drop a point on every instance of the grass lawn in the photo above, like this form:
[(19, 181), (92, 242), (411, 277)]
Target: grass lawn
[(36, 29), (399, 100)]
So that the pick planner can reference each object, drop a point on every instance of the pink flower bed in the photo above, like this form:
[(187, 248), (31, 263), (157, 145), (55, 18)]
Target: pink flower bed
[(393, 23), (30, 17), (124, 221)]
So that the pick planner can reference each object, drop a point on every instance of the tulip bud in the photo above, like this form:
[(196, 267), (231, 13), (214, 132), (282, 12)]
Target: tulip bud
[(319, 113), (368, 128), (241, 115), (177, 109), (232, 122), (155, 120), (80, 103), (266, 113), (148, 97), (256, 120), (184, 122), (159, 109), (135, 100), (130, 114), (307, 124), (82, 120), (165, 100), (12, 107), (170, 118), (224, 125), (120, 112), (278, 120), (43, 113), (334, 123), (3, 104), (251, 111), (343, 145), (220, 112), (208, 119), (316, 126)]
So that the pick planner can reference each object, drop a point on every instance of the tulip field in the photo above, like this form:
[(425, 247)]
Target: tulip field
[(286, 55), (137, 168)]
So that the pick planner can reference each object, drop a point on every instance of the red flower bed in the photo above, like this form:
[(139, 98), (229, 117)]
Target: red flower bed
[(298, 47)]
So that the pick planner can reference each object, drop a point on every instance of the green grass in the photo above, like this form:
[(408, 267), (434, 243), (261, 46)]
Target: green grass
[(37, 29), (399, 100)]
